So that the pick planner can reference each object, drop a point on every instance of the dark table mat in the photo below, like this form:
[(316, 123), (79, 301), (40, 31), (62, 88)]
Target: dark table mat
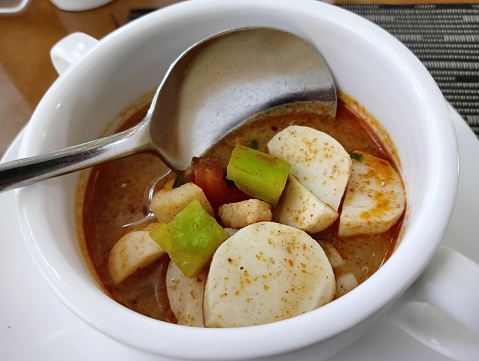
[(445, 37)]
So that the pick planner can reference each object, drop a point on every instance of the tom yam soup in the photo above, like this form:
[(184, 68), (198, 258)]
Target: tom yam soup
[(287, 213)]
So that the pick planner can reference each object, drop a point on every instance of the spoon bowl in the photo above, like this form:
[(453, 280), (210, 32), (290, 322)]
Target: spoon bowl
[(212, 88)]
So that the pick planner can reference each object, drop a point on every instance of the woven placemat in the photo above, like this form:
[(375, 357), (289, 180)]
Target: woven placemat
[(444, 37)]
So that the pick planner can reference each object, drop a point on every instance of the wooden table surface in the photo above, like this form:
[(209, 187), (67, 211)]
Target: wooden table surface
[(26, 38)]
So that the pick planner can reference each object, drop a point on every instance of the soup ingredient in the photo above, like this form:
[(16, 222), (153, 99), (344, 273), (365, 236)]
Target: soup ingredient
[(109, 204), (334, 256), (191, 238), (346, 283), (240, 214), (299, 208), (230, 231), (185, 295), (134, 250), (266, 272), (209, 176), (167, 203), (317, 160), (258, 174), (374, 199)]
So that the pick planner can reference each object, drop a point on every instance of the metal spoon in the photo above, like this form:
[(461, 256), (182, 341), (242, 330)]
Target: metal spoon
[(211, 88)]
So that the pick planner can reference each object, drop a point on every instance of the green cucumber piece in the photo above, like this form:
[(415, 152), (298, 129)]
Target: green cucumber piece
[(258, 174), (191, 238)]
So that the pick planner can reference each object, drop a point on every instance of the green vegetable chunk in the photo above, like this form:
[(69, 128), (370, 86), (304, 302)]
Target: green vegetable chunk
[(356, 156), (258, 174), (191, 238)]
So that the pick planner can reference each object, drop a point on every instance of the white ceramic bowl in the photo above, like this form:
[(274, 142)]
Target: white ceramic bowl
[(368, 64)]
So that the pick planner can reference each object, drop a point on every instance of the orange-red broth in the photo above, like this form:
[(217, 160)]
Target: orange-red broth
[(113, 195)]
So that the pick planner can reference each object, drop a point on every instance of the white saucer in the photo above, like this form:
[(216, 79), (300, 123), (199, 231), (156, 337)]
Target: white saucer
[(34, 324)]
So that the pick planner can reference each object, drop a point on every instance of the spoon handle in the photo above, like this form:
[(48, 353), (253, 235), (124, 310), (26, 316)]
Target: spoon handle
[(26, 171)]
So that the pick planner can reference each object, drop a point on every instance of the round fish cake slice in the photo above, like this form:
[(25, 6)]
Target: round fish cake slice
[(318, 160), (266, 272), (134, 250), (375, 197), (299, 208), (186, 295)]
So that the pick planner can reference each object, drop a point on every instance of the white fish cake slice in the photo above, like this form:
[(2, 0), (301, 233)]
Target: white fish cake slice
[(299, 208), (186, 295), (264, 273), (375, 197), (318, 160), (134, 250)]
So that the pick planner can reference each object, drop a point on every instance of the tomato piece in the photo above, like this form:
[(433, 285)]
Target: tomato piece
[(209, 176)]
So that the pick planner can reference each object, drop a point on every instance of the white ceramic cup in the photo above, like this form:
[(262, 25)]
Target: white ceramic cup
[(79, 5), (100, 78)]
